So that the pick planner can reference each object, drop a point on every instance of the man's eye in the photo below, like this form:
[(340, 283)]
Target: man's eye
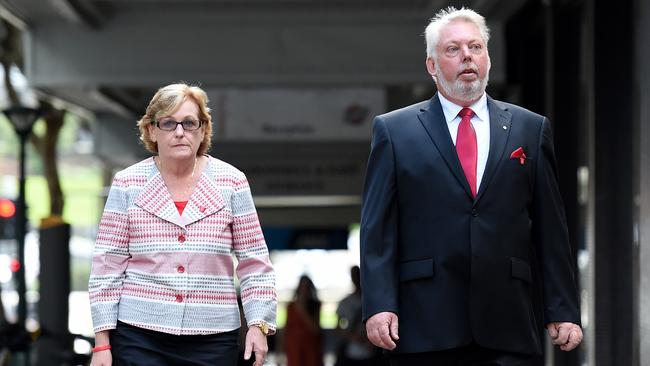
[(452, 50)]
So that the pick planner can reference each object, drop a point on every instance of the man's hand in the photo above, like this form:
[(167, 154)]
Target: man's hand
[(564, 334), (256, 343), (382, 330)]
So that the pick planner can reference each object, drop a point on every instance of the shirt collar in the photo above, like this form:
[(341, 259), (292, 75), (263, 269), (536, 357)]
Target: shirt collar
[(451, 110)]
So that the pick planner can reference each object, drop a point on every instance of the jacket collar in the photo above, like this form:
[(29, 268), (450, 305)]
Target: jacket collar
[(433, 120), (206, 199)]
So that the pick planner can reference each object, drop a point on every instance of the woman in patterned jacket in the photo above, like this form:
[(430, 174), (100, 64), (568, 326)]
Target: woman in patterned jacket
[(162, 288)]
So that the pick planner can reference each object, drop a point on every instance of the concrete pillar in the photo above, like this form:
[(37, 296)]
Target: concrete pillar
[(616, 161), (643, 60), (55, 342)]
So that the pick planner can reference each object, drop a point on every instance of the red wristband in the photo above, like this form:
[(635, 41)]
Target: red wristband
[(101, 348)]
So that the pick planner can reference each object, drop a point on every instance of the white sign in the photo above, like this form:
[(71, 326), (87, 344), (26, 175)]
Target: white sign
[(337, 114)]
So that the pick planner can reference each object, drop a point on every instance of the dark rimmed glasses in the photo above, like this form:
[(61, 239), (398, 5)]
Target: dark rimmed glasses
[(170, 124)]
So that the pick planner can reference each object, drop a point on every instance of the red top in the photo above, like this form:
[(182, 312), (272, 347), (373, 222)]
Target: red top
[(180, 205), (303, 343)]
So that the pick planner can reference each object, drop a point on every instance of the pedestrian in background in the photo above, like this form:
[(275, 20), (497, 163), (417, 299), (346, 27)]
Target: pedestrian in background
[(303, 339), (354, 348)]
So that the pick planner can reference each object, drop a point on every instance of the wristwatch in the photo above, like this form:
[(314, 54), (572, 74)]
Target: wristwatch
[(264, 327)]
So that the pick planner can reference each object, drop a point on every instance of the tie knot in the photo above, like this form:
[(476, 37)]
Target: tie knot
[(466, 113)]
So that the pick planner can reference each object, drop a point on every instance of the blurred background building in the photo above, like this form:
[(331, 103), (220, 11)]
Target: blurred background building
[(293, 87)]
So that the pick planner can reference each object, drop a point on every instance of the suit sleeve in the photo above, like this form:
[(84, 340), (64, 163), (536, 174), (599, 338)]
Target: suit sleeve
[(379, 227), (551, 237)]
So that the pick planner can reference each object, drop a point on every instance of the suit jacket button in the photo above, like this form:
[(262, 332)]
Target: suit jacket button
[(474, 212)]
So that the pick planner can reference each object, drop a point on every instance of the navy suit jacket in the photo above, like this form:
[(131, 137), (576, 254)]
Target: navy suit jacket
[(457, 269)]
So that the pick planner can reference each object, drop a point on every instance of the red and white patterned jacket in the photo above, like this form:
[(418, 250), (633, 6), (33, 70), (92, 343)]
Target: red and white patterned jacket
[(159, 270)]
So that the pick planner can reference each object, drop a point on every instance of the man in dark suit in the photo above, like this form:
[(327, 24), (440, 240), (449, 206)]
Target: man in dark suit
[(464, 245)]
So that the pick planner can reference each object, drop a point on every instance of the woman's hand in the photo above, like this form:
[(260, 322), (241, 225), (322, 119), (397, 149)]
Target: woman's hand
[(102, 358), (255, 343)]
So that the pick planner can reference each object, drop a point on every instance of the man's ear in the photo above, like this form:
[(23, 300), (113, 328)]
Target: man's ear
[(431, 67)]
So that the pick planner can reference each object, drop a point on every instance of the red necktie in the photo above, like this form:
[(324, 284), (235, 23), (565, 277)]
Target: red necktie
[(466, 147)]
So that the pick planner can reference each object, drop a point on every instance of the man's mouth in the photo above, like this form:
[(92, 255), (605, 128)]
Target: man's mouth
[(469, 72)]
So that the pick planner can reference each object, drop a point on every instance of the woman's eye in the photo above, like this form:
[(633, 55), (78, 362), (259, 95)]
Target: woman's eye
[(168, 124)]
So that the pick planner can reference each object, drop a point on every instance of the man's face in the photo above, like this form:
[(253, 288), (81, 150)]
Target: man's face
[(462, 63)]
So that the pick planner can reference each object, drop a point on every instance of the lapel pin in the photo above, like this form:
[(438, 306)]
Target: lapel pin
[(505, 127)]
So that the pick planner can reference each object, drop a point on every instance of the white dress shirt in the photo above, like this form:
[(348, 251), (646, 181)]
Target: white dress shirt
[(480, 122)]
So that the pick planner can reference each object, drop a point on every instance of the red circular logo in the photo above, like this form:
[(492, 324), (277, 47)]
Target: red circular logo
[(7, 208)]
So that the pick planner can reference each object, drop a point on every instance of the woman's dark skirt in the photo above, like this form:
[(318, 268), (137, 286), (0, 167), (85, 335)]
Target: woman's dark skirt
[(132, 345)]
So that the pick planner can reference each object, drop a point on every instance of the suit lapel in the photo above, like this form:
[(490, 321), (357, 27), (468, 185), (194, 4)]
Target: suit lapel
[(155, 198), (434, 122), (500, 121)]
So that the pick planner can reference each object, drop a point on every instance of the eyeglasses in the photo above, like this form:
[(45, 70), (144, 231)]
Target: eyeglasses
[(170, 124)]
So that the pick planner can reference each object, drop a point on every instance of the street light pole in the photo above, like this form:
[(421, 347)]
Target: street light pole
[(21, 231), (22, 119)]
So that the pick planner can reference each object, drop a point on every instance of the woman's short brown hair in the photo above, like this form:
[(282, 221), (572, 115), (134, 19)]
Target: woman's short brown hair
[(165, 102)]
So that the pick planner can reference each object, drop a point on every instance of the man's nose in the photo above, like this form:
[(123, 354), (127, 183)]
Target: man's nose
[(465, 52)]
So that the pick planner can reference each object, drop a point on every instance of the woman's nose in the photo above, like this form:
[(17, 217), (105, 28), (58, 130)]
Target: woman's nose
[(179, 131)]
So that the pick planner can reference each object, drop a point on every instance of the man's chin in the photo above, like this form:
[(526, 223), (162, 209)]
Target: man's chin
[(468, 95), (463, 91)]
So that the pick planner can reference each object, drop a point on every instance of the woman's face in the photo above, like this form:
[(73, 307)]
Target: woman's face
[(179, 143)]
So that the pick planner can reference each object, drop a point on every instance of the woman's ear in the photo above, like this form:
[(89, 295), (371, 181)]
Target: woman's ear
[(151, 128)]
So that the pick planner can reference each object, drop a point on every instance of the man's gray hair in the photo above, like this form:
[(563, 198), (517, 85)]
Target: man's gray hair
[(448, 15)]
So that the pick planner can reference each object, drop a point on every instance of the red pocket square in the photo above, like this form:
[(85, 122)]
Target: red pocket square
[(519, 154)]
